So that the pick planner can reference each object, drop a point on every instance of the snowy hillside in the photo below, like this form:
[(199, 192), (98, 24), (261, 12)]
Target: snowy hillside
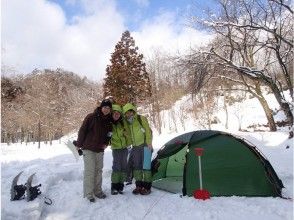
[(244, 114), (61, 178)]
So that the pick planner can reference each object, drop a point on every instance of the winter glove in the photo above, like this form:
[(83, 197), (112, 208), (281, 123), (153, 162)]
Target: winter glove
[(150, 147), (108, 137), (80, 151), (109, 134)]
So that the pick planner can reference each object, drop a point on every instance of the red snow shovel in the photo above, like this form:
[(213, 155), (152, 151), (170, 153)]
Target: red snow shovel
[(200, 193)]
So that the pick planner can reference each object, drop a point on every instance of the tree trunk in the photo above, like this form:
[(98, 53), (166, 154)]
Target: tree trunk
[(284, 105), (226, 111), (268, 113), (39, 134), (208, 118), (153, 114), (156, 116), (174, 120), (157, 110)]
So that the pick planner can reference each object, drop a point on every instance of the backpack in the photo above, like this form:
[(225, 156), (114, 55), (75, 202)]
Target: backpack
[(140, 121)]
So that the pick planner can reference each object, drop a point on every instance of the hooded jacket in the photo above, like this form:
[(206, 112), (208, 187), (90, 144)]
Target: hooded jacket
[(94, 133), (138, 132), (121, 137)]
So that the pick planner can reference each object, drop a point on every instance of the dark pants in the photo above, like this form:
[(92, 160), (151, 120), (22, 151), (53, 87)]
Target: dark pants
[(130, 167), (137, 157), (119, 165)]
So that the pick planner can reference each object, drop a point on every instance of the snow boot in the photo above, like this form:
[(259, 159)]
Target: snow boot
[(138, 188), (146, 189), (92, 199), (114, 188), (114, 192), (120, 188), (100, 195)]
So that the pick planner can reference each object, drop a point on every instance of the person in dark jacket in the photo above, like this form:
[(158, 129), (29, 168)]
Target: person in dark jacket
[(93, 137)]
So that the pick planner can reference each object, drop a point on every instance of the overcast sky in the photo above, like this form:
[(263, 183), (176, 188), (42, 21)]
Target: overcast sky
[(80, 35)]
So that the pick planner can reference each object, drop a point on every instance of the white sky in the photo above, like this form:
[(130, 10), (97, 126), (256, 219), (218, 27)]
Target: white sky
[(37, 34)]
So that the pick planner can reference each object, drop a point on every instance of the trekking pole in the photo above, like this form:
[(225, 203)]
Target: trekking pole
[(200, 193)]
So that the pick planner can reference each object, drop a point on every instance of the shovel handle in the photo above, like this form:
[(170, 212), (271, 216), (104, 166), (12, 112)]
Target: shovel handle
[(200, 172), (199, 152)]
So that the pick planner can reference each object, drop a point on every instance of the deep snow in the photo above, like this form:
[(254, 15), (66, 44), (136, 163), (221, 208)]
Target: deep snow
[(61, 178)]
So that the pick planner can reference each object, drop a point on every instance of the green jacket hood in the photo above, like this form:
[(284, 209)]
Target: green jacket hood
[(117, 108), (128, 107)]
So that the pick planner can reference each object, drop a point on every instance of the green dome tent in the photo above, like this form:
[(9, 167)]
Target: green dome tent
[(230, 166)]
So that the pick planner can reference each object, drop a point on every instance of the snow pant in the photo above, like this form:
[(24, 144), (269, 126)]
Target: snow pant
[(93, 164), (129, 166), (143, 177), (119, 168)]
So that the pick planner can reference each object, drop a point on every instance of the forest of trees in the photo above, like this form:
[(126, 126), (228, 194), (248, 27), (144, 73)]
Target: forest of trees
[(45, 105), (251, 53)]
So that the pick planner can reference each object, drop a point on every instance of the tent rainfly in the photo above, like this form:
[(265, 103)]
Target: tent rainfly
[(230, 166)]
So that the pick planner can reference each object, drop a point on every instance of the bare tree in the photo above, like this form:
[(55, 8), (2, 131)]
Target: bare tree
[(254, 39), (167, 83)]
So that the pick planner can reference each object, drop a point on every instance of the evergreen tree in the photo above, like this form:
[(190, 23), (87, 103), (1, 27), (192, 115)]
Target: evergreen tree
[(126, 77)]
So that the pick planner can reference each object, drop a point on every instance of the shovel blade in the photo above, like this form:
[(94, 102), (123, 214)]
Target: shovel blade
[(201, 194)]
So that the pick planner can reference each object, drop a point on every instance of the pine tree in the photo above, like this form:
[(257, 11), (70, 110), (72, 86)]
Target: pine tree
[(126, 77)]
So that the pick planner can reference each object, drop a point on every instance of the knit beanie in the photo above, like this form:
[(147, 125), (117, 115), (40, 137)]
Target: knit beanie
[(106, 102)]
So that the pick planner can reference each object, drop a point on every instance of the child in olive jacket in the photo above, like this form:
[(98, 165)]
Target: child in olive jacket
[(141, 137), (120, 140)]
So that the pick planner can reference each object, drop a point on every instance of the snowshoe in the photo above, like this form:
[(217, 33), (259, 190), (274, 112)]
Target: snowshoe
[(17, 191), (32, 191)]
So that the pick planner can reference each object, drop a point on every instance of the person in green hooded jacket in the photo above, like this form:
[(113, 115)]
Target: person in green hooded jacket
[(120, 140), (141, 137)]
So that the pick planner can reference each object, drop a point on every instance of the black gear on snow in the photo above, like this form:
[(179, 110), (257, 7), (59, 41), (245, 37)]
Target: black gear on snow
[(17, 191), (32, 191)]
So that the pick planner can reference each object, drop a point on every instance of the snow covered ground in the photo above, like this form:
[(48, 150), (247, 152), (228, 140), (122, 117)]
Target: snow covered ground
[(61, 178)]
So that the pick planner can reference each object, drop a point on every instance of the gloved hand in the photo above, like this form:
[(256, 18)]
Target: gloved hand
[(109, 134), (75, 143), (108, 137), (150, 147), (80, 151)]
